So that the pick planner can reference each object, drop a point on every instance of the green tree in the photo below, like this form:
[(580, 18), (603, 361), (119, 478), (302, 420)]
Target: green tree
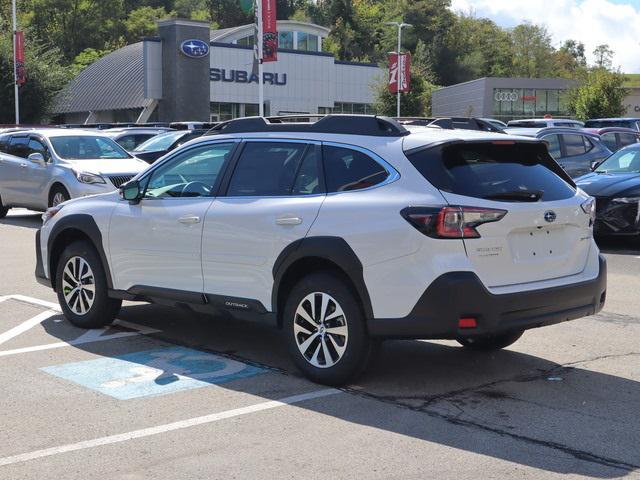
[(600, 95), (357, 27), (142, 22), (570, 61), (532, 51), (75, 25), (433, 24), (603, 56), (416, 103), (193, 9), (84, 59), (484, 49), (45, 77)]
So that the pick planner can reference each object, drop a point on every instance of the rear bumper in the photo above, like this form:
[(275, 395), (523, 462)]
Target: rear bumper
[(40, 276), (462, 294)]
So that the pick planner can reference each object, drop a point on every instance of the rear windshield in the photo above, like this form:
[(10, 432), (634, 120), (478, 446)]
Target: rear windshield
[(494, 171), (609, 123), (528, 124)]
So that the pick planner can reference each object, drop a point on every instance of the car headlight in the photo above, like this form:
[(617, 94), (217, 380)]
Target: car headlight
[(626, 200), (50, 213), (86, 177)]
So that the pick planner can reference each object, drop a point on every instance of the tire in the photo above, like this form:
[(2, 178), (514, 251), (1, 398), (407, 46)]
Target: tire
[(58, 195), (3, 209), (344, 336), (80, 307), (491, 342)]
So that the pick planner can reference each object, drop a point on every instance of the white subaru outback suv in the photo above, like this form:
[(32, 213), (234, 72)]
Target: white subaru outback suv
[(343, 232)]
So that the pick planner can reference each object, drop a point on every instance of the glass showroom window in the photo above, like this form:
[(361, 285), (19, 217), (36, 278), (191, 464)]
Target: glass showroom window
[(285, 40), (246, 41), (308, 42)]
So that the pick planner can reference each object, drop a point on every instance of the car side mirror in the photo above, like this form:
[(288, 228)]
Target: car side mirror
[(37, 158), (131, 191), (595, 164)]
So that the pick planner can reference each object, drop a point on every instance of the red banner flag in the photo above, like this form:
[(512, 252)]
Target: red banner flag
[(21, 77), (399, 72), (269, 31)]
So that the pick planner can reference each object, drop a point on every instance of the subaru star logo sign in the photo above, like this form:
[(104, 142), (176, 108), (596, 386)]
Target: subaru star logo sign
[(194, 48), (550, 216)]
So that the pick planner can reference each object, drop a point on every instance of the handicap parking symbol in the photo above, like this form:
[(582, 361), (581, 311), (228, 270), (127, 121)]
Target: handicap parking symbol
[(153, 372)]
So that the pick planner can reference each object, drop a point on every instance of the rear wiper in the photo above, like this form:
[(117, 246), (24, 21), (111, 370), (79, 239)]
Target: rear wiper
[(516, 195)]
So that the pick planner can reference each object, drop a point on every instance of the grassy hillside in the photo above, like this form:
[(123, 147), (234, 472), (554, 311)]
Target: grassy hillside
[(633, 80)]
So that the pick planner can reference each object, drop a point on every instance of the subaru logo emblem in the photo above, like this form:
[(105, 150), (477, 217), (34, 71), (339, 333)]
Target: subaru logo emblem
[(194, 48), (550, 216)]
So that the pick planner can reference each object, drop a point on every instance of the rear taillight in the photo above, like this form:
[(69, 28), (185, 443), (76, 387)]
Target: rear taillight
[(451, 222)]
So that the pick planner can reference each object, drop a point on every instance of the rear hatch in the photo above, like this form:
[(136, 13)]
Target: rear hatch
[(544, 234)]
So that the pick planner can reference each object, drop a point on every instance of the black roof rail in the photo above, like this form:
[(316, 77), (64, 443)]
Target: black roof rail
[(371, 125)]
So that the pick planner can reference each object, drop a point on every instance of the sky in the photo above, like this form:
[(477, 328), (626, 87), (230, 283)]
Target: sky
[(592, 22)]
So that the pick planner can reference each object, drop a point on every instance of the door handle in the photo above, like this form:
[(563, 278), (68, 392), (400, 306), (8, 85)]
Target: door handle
[(189, 219), (288, 220), (23, 165)]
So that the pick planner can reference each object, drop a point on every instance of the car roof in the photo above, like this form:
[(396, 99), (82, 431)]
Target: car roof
[(67, 132), (538, 132), (603, 130), (419, 136), (617, 119)]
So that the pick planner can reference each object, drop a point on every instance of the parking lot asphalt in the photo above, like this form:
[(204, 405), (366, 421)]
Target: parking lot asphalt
[(165, 393)]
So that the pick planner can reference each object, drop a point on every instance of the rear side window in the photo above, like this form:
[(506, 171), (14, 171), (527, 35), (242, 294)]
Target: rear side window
[(19, 147), (553, 144), (348, 170), (627, 139), (574, 145), (609, 139), (4, 143), (503, 172), (270, 169)]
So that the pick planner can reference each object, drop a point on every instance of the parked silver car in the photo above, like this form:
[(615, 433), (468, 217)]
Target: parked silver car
[(42, 168), (130, 137)]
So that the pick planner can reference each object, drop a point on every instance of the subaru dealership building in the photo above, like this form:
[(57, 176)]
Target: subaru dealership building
[(170, 78)]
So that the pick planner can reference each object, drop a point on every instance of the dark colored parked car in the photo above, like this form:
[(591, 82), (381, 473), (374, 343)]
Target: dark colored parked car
[(616, 137), (157, 146), (452, 123), (632, 123), (615, 184), (574, 149)]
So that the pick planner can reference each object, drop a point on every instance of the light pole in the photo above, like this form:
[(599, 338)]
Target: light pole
[(400, 26), (15, 63)]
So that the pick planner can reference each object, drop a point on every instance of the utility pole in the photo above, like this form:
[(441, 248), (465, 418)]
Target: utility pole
[(400, 26), (15, 63)]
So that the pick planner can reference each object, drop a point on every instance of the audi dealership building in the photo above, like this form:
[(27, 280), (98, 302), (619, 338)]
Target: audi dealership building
[(512, 98), (175, 77)]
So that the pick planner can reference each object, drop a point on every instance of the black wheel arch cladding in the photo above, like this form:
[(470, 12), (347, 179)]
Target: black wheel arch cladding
[(332, 249), (86, 225)]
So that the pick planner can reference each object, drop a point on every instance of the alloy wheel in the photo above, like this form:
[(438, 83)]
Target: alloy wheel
[(78, 285), (320, 330), (58, 198)]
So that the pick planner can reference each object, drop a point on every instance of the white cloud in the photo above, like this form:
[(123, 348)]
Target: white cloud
[(592, 22)]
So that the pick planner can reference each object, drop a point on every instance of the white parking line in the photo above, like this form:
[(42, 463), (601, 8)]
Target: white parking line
[(146, 432), (32, 301), (26, 325), (96, 335), (89, 337)]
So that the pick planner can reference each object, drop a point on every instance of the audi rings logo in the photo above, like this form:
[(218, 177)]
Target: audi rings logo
[(506, 96)]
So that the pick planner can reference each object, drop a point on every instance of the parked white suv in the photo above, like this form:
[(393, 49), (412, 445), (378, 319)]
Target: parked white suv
[(40, 168), (343, 232)]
